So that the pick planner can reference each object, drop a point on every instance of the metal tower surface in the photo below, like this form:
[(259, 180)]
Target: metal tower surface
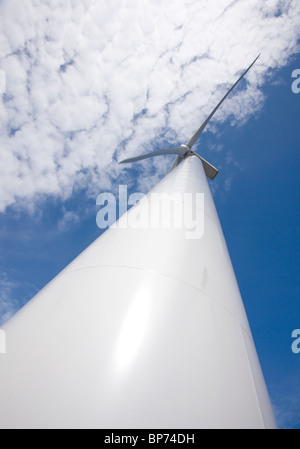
[(145, 329)]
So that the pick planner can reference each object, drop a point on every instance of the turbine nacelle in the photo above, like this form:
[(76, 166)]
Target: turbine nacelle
[(186, 147)]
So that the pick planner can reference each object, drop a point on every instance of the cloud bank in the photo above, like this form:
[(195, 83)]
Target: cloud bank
[(88, 83)]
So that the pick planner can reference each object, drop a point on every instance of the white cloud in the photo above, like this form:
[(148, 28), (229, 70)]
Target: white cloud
[(69, 219), (87, 78), (285, 400), (8, 303)]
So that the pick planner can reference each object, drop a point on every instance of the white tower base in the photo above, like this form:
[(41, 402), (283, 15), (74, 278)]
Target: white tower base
[(145, 329)]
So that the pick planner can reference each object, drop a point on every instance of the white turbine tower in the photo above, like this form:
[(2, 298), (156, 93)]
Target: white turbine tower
[(145, 329)]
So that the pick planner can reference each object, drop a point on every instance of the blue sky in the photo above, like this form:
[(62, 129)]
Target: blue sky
[(82, 91), (260, 218)]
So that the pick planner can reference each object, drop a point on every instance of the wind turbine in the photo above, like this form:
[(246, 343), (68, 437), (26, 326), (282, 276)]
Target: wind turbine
[(145, 329), (185, 150)]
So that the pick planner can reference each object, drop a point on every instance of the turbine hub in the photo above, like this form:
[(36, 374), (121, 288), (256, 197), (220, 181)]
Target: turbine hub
[(188, 149), (185, 147)]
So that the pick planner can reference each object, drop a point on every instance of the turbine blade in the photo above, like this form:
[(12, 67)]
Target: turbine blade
[(177, 150), (195, 137), (176, 162), (210, 171)]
